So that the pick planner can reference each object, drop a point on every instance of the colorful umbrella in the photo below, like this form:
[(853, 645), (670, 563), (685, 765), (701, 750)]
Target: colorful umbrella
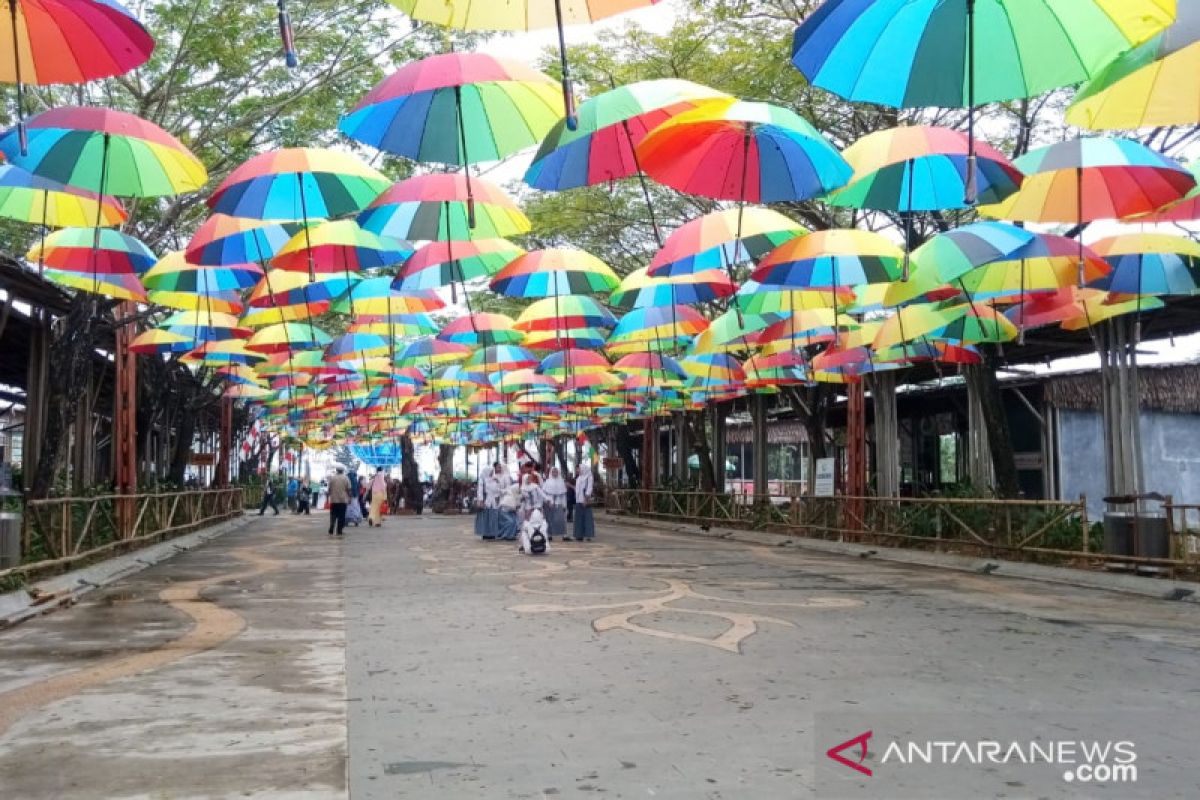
[(1186, 209), (1149, 264), (751, 152), (481, 329), (918, 53), (449, 263), (522, 15), (93, 251), (340, 246), (298, 185), (1156, 83), (68, 41), (554, 273), (25, 197), (558, 322), (638, 289), (721, 238), (234, 242), (434, 208), (661, 328)]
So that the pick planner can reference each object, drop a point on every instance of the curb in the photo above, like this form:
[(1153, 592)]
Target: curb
[(1156, 588), (66, 589)]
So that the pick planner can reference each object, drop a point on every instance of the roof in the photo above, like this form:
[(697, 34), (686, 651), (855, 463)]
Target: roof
[(1173, 388)]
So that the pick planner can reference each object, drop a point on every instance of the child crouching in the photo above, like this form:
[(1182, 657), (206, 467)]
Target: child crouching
[(533, 539)]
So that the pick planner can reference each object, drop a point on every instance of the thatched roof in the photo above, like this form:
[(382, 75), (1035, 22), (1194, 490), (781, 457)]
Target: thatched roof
[(1173, 388), (778, 432)]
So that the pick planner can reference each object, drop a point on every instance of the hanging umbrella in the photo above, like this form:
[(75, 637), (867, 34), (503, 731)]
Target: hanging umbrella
[(638, 289), (287, 336), (481, 329), (434, 208), (456, 108), (1046, 264), (298, 185), (919, 53), (279, 288), (450, 263), (750, 152), (558, 322), (582, 362), (67, 41), (105, 151), (431, 352), (554, 272), (234, 242), (340, 246), (1185, 209), (175, 283), (1156, 83), (721, 238), (26, 197), (96, 260), (659, 328), (522, 15), (1149, 264)]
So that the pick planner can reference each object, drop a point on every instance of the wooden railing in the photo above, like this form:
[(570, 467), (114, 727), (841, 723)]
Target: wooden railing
[(1032, 530), (61, 532)]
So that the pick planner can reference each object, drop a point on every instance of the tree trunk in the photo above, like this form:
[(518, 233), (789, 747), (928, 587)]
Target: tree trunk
[(183, 449), (70, 354), (443, 490), (414, 498), (1004, 461)]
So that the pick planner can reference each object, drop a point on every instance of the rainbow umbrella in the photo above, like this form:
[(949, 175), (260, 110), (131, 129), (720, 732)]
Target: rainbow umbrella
[(1084, 180), (721, 238), (356, 346), (918, 53), (395, 326), (456, 108), (481, 329), (922, 168), (554, 315), (159, 341), (175, 283), (378, 296), (68, 41), (206, 325), (638, 289), (435, 208), (1046, 264), (340, 246), (661, 328), (1149, 264), (431, 352), (554, 273), (522, 15), (224, 352), (449, 263), (105, 151), (297, 185), (95, 260), (749, 152), (501, 358), (26, 197), (1156, 83), (1100, 307), (238, 243), (563, 364), (1186, 209), (287, 336)]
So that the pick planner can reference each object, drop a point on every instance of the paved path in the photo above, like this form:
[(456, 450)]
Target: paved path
[(644, 665)]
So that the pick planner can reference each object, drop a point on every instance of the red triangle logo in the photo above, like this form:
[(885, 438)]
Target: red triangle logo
[(859, 741)]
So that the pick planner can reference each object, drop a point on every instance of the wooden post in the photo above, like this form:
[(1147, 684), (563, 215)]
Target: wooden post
[(887, 434), (758, 415), (225, 442), (649, 457), (683, 446), (35, 394), (719, 446), (125, 421), (856, 454)]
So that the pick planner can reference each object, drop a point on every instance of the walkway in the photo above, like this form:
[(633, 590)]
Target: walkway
[(644, 665)]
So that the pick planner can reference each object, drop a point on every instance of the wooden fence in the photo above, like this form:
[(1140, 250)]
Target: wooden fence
[(1029, 530), (61, 532)]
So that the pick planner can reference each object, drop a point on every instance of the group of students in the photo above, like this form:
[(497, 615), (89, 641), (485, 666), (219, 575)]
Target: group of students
[(533, 511)]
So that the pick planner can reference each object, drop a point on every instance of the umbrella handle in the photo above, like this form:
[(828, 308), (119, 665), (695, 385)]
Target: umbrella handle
[(22, 133), (568, 90), (285, 34), (971, 193)]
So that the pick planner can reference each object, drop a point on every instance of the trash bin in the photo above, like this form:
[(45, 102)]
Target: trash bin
[(10, 539), (1142, 534)]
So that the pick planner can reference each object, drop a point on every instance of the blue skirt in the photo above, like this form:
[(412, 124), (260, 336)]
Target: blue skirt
[(556, 522), (491, 523), (508, 525), (481, 521), (585, 524)]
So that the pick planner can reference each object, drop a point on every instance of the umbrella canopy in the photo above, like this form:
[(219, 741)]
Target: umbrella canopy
[(440, 264), (638, 289), (298, 184), (921, 168), (457, 108), (234, 242), (555, 315), (93, 252), (916, 53), (554, 272), (1046, 264), (610, 125), (70, 41), (656, 328), (105, 151), (378, 296), (1083, 180), (340, 246), (1156, 83), (830, 260), (735, 150), (1149, 264), (26, 197), (482, 329), (1186, 209), (430, 352), (517, 15), (287, 288), (288, 336), (435, 207), (721, 238)]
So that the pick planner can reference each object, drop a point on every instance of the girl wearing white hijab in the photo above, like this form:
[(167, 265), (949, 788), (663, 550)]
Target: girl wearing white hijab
[(532, 498), (555, 489)]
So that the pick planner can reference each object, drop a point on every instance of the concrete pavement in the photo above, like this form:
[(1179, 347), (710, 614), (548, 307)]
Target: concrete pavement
[(647, 664)]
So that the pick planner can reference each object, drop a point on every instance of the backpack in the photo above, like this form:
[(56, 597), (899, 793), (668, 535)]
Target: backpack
[(537, 542)]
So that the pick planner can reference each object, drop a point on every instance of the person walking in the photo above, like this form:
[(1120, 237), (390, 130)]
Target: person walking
[(555, 489), (339, 499), (376, 497), (293, 486), (304, 498), (268, 498), (585, 524)]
